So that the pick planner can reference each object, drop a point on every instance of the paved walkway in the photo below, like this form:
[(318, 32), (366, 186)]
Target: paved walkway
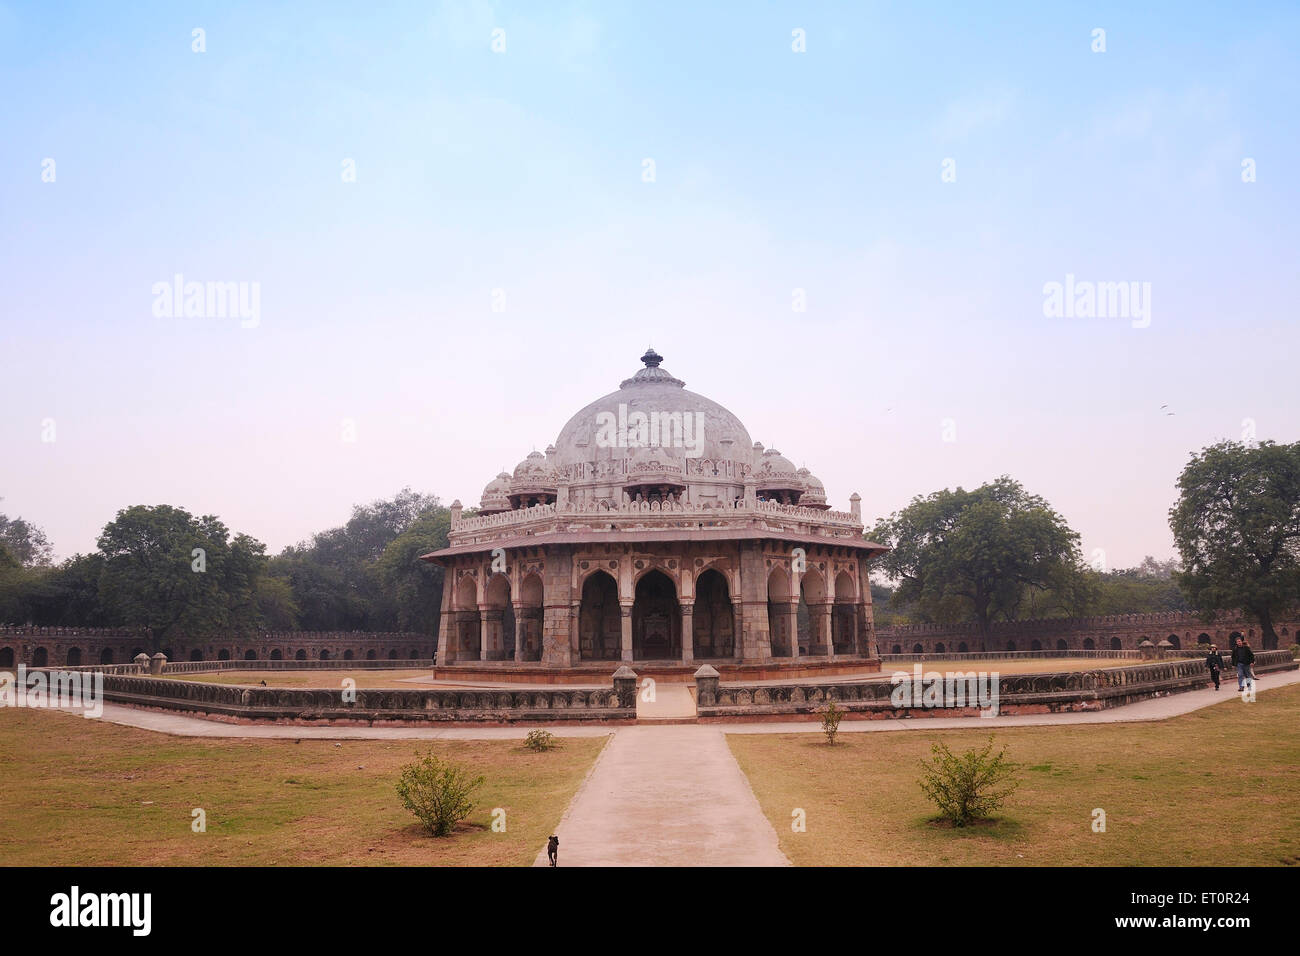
[(666, 796)]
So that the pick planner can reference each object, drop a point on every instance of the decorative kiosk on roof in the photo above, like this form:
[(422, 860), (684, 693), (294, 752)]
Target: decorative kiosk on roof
[(656, 529)]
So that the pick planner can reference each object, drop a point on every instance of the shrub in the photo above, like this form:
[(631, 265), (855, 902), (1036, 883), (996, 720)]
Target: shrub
[(969, 786), (831, 718), (438, 792), (1295, 651), (539, 740)]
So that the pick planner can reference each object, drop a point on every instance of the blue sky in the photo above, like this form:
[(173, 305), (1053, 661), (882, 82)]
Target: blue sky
[(522, 171)]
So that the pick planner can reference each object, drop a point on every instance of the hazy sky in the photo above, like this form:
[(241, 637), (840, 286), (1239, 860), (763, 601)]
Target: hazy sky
[(524, 171)]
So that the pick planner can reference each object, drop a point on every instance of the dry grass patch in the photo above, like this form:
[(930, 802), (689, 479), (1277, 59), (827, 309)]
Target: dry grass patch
[(87, 792), (1169, 788)]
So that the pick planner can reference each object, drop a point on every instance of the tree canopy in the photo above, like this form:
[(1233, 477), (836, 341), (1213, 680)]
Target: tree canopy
[(978, 555), (1237, 527)]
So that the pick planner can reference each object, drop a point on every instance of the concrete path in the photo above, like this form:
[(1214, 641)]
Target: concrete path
[(666, 796), (671, 702)]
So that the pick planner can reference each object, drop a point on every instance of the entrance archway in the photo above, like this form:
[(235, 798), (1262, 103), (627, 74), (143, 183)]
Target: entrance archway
[(74, 657), (714, 625), (656, 619), (500, 619), (813, 611), (600, 624), (469, 631), (6, 657), (844, 616), (106, 656), (531, 615), (1174, 640), (781, 624), (40, 657), (196, 655)]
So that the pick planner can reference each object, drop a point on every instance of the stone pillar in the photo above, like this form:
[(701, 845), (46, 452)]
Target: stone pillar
[(688, 632), (1148, 650), (706, 686), (142, 662), (739, 631), (156, 664), (558, 631), (519, 631), (625, 686), (794, 629), (482, 632), (626, 621)]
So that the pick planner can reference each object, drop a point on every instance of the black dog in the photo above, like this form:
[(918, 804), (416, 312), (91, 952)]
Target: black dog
[(553, 848)]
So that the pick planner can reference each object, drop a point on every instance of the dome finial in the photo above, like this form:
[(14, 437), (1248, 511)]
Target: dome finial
[(651, 358)]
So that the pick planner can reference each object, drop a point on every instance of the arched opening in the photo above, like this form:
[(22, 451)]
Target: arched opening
[(250, 655), (370, 654), (1011, 645), (469, 629), (844, 616), (40, 657), (7, 657), (223, 655), (1116, 644), (1035, 645), (531, 615), (276, 655), (74, 657), (939, 648), (782, 626), (600, 625), (962, 648), (1088, 644), (814, 614), (324, 655), (1176, 641), (413, 655), (656, 619), (500, 619), (1203, 638), (897, 649), (347, 655), (918, 649), (713, 626), (301, 655), (105, 656), (1270, 643), (392, 655), (196, 655), (1061, 645)]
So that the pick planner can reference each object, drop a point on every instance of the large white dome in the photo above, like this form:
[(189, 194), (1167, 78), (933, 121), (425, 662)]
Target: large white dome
[(710, 433)]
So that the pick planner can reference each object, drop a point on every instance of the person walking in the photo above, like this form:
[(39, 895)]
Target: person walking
[(1214, 661), (1247, 658), (1237, 664)]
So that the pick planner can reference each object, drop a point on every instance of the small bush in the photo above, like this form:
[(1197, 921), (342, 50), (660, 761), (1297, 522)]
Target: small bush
[(969, 786), (1295, 651), (539, 740), (831, 718), (438, 792)]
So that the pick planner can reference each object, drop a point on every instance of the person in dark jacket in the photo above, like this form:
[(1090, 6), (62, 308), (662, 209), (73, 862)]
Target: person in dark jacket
[(1245, 660), (1237, 664), (1214, 661)]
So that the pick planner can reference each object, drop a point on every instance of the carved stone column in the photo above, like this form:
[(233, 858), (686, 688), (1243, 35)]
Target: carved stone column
[(688, 632), (794, 629), (519, 631), (626, 620), (483, 632)]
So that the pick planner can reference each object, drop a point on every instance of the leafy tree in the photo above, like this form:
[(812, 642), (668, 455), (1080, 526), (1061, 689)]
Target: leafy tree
[(152, 578), (975, 555), (1237, 527), (414, 585), (25, 542)]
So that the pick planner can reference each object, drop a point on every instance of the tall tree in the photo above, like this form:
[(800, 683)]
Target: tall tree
[(1237, 526), (25, 542), (415, 585), (974, 555), (166, 570)]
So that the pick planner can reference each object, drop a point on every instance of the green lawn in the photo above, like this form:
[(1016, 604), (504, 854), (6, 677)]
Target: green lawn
[(1220, 786), (79, 791)]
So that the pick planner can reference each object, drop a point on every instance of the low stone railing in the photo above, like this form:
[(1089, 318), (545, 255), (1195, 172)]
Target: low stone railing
[(369, 705), (1024, 693)]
